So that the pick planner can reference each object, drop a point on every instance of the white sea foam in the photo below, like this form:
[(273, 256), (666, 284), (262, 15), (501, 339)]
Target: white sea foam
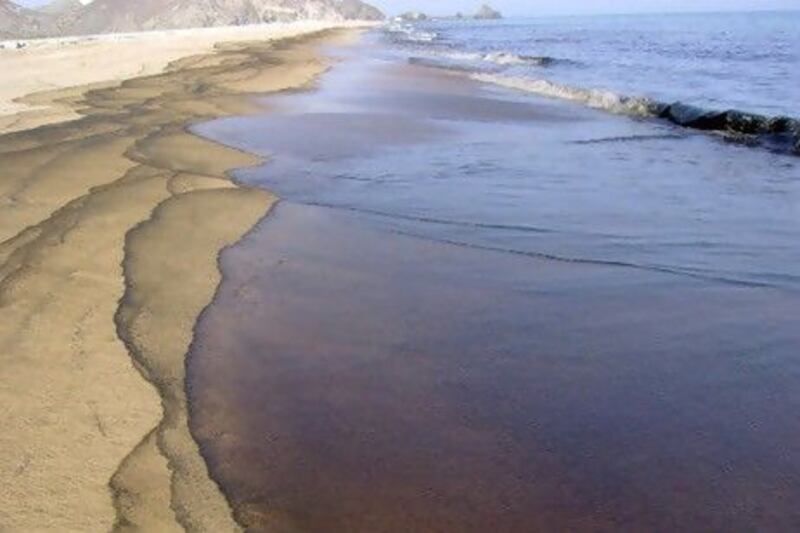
[(476, 61), (595, 98), (498, 58), (508, 58), (412, 34), (503, 58), (423, 36)]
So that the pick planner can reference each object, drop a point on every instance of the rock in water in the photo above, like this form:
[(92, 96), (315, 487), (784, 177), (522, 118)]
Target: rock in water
[(412, 16), (487, 13), (781, 134), (694, 117), (784, 125), (747, 123)]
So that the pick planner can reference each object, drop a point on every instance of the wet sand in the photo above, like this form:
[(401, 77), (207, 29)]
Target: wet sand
[(370, 365), (346, 379), (110, 226)]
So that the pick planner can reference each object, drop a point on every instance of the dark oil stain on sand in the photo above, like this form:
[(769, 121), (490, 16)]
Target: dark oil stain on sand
[(352, 377)]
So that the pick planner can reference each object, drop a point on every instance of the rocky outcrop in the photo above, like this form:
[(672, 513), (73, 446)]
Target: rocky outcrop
[(122, 15), (63, 14), (487, 13), (358, 10), (412, 16)]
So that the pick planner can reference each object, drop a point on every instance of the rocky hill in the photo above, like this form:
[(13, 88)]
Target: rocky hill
[(18, 22), (72, 17), (58, 7)]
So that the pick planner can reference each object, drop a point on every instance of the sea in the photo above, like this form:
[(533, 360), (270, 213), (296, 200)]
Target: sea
[(499, 293), (744, 61), (612, 185)]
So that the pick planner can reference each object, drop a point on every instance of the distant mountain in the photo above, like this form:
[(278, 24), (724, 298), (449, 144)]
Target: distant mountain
[(358, 10), (59, 7), (72, 17), (63, 15), (487, 13), (412, 16), (17, 22)]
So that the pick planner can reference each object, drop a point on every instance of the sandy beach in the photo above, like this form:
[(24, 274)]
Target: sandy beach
[(43, 79), (535, 274), (111, 220)]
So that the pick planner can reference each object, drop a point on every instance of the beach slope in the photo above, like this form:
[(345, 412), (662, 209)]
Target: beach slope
[(112, 217)]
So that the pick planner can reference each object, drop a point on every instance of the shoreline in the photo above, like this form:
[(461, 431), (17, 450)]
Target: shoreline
[(101, 216), (404, 344)]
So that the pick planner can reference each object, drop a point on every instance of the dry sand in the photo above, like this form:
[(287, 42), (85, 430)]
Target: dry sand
[(33, 78), (110, 229)]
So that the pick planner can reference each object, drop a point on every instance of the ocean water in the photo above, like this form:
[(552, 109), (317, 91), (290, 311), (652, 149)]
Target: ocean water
[(483, 165), (744, 61), (478, 308)]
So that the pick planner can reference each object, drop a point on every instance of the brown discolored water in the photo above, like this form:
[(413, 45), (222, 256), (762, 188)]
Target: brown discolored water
[(353, 377)]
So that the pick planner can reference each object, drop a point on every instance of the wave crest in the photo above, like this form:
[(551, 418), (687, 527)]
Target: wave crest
[(507, 58), (595, 98), (406, 32), (780, 134)]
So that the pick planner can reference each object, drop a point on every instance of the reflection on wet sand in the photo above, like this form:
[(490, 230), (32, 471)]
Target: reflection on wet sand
[(460, 319), (346, 379)]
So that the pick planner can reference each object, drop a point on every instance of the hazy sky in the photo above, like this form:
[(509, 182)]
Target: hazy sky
[(534, 7), (546, 7)]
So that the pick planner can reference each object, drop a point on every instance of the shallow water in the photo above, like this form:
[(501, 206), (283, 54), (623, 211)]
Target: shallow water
[(447, 159), (348, 380), (475, 310)]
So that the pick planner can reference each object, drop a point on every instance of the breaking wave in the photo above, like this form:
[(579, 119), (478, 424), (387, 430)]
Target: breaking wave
[(523, 72), (409, 33), (781, 134), (416, 36), (507, 58), (474, 62), (595, 98)]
